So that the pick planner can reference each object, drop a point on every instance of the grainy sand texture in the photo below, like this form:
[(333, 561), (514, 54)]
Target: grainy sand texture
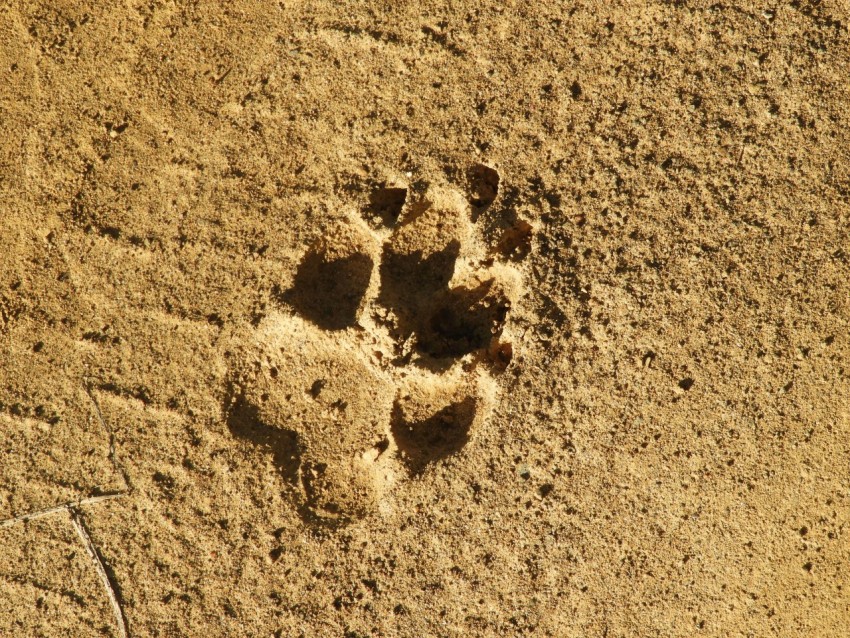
[(413, 319)]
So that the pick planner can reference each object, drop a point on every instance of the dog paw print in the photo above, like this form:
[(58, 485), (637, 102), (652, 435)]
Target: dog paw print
[(383, 360)]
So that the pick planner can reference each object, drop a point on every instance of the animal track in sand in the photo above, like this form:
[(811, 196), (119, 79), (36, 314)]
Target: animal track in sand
[(382, 364)]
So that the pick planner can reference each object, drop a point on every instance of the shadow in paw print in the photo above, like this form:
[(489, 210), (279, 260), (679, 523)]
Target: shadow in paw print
[(386, 204), (244, 423), (408, 282), (316, 509), (463, 320), (426, 441), (329, 292)]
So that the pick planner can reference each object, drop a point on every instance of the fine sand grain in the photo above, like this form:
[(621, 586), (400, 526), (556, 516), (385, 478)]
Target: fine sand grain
[(424, 319)]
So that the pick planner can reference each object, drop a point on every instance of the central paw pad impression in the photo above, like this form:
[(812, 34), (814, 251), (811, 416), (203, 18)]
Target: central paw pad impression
[(384, 364)]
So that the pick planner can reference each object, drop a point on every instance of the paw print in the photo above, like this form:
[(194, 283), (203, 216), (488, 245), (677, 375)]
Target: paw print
[(382, 362)]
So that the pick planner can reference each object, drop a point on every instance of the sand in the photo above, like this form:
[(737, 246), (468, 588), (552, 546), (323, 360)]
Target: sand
[(422, 319)]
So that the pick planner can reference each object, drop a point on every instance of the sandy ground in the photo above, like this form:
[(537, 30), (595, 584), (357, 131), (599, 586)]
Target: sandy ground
[(416, 319)]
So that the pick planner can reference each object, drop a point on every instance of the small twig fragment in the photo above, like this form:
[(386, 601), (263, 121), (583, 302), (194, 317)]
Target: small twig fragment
[(29, 516), (82, 532)]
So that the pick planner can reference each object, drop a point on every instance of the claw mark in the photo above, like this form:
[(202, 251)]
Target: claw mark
[(484, 185), (515, 242), (387, 203), (100, 567)]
